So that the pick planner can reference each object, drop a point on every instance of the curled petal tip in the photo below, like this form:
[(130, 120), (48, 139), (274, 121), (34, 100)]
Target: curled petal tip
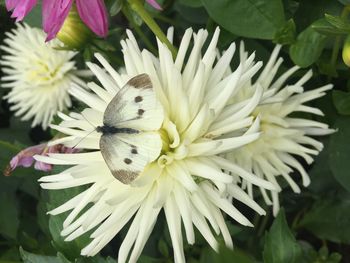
[(94, 14), (154, 4)]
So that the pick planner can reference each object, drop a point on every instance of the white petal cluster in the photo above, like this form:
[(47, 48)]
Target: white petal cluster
[(191, 180), (38, 75), (284, 137)]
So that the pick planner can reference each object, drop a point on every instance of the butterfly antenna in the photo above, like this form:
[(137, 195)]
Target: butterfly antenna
[(88, 121), (75, 108), (82, 139)]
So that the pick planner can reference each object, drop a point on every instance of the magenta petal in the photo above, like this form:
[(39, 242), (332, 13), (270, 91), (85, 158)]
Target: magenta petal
[(11, 4), (20, 8), (25, 157), (54, 13), (154, 4), (94, 15)]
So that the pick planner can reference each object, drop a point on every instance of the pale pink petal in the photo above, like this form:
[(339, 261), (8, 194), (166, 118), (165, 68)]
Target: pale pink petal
[(54, 13), (20, 8), (42, 166), (25, 157), (154, 4), (94, 15)]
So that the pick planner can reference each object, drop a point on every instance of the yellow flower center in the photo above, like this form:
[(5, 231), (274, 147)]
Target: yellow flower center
[(173, 147)]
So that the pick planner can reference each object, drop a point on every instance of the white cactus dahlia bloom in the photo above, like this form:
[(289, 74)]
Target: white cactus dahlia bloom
[(38, 75), (283, 137), (187, 180)]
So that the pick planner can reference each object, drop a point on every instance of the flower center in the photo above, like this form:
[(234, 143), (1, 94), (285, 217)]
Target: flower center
[(42, 73), (173, 147)]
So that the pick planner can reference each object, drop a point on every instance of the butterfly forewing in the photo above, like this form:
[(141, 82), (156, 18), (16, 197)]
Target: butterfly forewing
[(137, 109), (135, 106)]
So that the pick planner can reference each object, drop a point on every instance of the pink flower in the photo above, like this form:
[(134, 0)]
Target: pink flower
[(54, 12), (25, 158), (20, 8), (92, 12), (154, 4)]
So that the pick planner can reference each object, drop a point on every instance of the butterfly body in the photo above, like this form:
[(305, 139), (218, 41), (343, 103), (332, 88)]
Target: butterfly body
[(130, 139), (107, 129)]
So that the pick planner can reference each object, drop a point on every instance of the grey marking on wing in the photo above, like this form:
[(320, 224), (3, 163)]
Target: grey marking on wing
[(125, 176), (141, 81)]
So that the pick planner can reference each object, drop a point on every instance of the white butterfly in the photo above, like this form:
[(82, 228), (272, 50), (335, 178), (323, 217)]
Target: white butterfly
[(129, 139)]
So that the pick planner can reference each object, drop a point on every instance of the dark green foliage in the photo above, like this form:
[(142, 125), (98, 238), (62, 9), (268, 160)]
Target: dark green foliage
[(280, 243), (247, 18), (307, 48)]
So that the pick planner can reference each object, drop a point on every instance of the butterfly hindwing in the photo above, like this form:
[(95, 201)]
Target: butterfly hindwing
[(135, 106), (127, 155)]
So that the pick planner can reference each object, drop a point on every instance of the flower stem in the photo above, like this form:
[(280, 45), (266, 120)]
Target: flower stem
[(138, 30), (337, 40), (138, 7)]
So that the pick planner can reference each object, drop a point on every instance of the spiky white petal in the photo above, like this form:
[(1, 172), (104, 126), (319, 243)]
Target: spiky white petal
[(38, 75), (283, 137)]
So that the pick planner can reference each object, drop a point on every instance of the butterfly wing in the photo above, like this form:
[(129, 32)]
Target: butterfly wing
[(127, 155), (135, 106)]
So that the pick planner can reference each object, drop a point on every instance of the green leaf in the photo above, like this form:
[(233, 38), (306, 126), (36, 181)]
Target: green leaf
[(16, 134), (34, 17), (322, 256), (196, 15), (248, 18), (312, 10), (225, 255), (286, 35), (329, 219), (115, 7), (280, 244), (10, 255), (340, 152), (191, 3), (322, 26), (322, 179), (62, 258), (163, 248), (341, 101), (338, 22), (33, 258), (70, 250), (308, 47), (9, 213), (345, 2), (97, 259)]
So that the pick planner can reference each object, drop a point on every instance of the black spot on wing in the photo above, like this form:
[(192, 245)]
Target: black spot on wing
[(138, 99), (127, 161), (140, 112), (134, 151)]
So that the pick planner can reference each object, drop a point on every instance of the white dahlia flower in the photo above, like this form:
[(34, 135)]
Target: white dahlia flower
[(187, 180), (38, 75), (283, 137)]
